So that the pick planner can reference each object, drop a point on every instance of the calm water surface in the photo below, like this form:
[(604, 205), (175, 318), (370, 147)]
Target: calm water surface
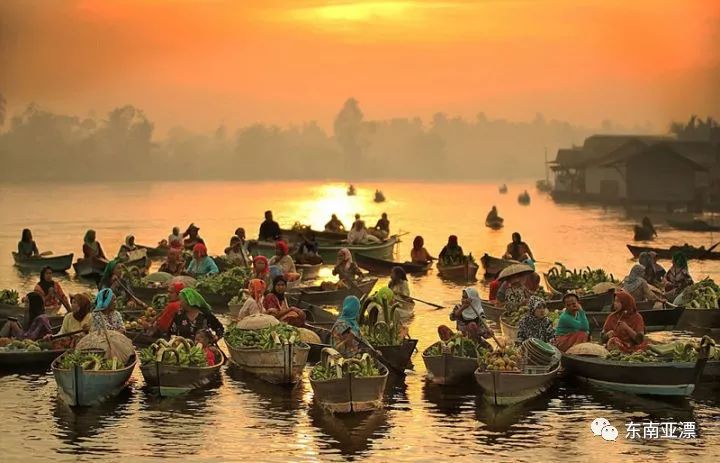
[(240, 418)]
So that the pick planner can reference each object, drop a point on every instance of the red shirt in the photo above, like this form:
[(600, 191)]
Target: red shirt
[(210, 356), (168, 314), (494, 287)]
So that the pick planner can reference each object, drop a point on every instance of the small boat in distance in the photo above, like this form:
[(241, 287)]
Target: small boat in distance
[(524, 198), (503, 189), (693, 225), (351, 190), (379, 196), (36, 263)]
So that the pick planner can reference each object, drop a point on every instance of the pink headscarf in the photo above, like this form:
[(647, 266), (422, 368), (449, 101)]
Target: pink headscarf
[(201, 248), (267, 265)]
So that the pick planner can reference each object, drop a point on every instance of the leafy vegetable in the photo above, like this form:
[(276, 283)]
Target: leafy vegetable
[(228, 284), (266, 338), (9, 297), (702, 295), (564, 279), (458, 345), (88, 361), (335, 367)]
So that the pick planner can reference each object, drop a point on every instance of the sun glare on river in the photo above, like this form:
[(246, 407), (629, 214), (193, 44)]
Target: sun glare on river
[(331, 199)]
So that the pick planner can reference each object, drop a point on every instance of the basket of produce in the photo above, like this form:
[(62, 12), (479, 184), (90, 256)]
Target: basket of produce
[(509, 359), (561, 279), (701, 295), (219, 289)]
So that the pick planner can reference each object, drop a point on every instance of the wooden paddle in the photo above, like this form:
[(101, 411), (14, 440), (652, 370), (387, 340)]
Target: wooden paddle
[(431, 304), (710, 249), (65, 335), (132, 296)]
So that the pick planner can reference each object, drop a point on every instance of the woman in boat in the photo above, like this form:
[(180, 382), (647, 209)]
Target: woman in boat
[(635, 285), (536, 323), (418, 254), (92, 250), (532, 280), (468, 317), (335, 225), (51, 291), (452, 253), (38, 323), (26, 246), (346, 269), (518, 249), (308, 250), (401, 290), (193, 237), (492, 215), (254, 302), (201, 264), (573, 326), (166, 317), (111, 275), (283, 260), (345, 333), (654, 272), (382, 227), (513, 292), (261, 270), (105, 316), (276, 304), (678, 277), (126, 248), (359, 234), (236, 253), (648, 227), (175, 240), (174, 264), (196, 315), (80, 316), (624, 329)]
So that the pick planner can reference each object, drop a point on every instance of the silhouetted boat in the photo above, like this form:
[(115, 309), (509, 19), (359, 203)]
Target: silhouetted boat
[(384, 267), (503, 189), (495, 224), (693, 225), (524, 198), (351, 190), (37, 263), (379, 196), (690, 252), (463, 272)]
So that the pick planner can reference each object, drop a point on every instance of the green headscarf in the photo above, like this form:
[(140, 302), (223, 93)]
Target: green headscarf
[(191, 297), (680, 260), (107, 274), (385, 294)]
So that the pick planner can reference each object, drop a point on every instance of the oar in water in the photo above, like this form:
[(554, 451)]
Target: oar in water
[(710, 249), (431, 304)]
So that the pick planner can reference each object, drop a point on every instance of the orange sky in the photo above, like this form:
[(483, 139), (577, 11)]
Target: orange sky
[(201, 63)]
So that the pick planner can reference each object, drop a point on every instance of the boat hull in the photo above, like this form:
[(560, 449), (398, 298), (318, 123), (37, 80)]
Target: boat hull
[(693, 225), (172, 380), (504, 388), (398, 357), (315, 296), (699, 321), (35, 264), (383, 250), (155, 252), (10, 360), (467, 272), (664, 253), (277, 366), (350, 394), (82, 388), (384, 267), (494, 265), (447, 369), (85, 269)]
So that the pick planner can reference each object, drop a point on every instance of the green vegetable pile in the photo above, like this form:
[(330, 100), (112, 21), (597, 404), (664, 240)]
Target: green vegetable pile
[(701, 295), (227, 284), (9, 297), (382, 333), (458, 346), (159, 301), (178, 351), (513, 318), (563, 279), (334, 366), (635, 357), (265, 339), (88, 361)]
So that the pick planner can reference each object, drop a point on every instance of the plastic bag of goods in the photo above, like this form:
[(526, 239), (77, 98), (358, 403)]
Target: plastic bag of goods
[(122, 346), (257, 321)]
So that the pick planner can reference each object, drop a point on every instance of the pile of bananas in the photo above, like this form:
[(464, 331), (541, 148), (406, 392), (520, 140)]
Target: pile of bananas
[(178, 351), (458, 346), (144, 322), (334, 366), (513, 318), (88, 361), (506, 359), (382, 333), (563, 279), (702, 295), (266, 338), (635, 357), (9, 297)]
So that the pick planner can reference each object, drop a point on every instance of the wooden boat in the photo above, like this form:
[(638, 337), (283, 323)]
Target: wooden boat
[(495, 265), (86, 269), (507, 388), (496, 224), (35, 264), (655, 319), (351, 190), (155, 252), (141, 339), (690, 252), (590, 303), (398, 357), (642, 234), (449, 369), (283, 365), (492, 311), (508, 331), (524, 199), (699, 321), (384, 267), (308, 271), (382, 250), (315, 295), (503, 189), (693, 225), (18, 311), (292, 236), (172, 380), (20, 359), (464, 272), (662, 378), (350, 394), (379, 197), (80, 387)]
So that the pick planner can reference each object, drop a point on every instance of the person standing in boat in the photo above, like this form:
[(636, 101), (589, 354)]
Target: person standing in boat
[(126, 248), (382, 228), (418, 254), (401, 289), (518, 249), (346, 269), (51, 291), (678, 277), (26, 246), (269, 229), (536, 323), (635, 285), (573, 326), (335, 225), (283, 260), (275, 303), (105, 316), (201, 264), (93, 251), (36, 321), (193, 237), (196, 315), (452, 253), (175, 240), (174, 264), (345, 333), (624, 328)]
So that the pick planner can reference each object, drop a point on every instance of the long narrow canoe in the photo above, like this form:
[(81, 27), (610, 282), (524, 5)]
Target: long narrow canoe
[(693, 225), (495, 265), (315, 295), (155, 252), (507, 388), (448, 369), (85, 269), (283, 365), (662, 378), (35, 264), (22, 359), (294, 236), (382, 250), (171, 380), (465, 272), (667, 253), (496, 224), (350, 394), (384, 267), (80, 387)]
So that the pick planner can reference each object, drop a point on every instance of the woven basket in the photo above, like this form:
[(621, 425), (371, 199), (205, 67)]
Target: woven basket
[(588, 348), (309, 337)]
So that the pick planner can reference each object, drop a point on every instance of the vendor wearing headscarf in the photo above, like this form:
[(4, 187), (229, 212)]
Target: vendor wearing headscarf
[(166, 317), (573, 326), (254, 302), (201, 264), (126, 248), (80, 317), (104, 315), (276, 304), (345, 333), (261, 270), (195, 316), (358, 234), (193, 237), (468, 316), (452, 253), (418, 254), (112, 273), (518, 249), (654, 272), (51, 291), (36, 321), (237, 253), (624, 329), (635, 285), (536, 323), (401, 289), (284, 261), (174, 264), (513, 292), (346, 269), (678, 277), (92, 249)]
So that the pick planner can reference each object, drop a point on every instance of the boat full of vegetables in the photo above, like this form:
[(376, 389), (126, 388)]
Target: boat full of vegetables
[(704, 294), (26, 353), (452, 361), (178, 351), (346, 385), (563, 279), (275, 354)]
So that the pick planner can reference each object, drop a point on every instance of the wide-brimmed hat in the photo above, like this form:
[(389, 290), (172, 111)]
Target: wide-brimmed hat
[(514, 269)]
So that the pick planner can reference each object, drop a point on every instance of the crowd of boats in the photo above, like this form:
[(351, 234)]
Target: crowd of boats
[(278, 318)]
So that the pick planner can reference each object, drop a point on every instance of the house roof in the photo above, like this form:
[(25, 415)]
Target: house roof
[(598, 146), (627, 152)]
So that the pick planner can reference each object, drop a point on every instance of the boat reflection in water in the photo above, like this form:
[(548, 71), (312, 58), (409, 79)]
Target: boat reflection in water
[(350, 433), (274, 398)]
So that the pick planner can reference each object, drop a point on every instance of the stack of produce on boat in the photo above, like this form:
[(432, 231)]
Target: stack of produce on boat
[(502, 359), (265, 338), (513, 318), (563, 279), (178, 351), (227, 284), (701, 295), (88, 361), (335, 367), (28, 345), (9, 297), (457, 346), (144, 321)]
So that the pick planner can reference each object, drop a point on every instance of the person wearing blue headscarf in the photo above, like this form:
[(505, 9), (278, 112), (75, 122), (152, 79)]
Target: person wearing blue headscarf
[(346, 331), (104, 314)]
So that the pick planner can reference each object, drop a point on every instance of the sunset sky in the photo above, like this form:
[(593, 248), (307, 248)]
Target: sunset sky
[(202, 63)]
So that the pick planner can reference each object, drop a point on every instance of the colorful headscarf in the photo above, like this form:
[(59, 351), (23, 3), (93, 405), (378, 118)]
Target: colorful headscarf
[(282, 246), (475, 310), (680, 260), (635, 279), (385, 294), (627, 302), (193, 298), (257, 289), (350, 312), (177, 286), (276, 280), (201, 248), (418, 242), (535, 302), (84, 304), (107, 273), (265, 261), (346, 256), (103, 299)]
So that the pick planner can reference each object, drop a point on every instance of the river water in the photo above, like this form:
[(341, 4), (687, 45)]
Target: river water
[(240, 418)]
